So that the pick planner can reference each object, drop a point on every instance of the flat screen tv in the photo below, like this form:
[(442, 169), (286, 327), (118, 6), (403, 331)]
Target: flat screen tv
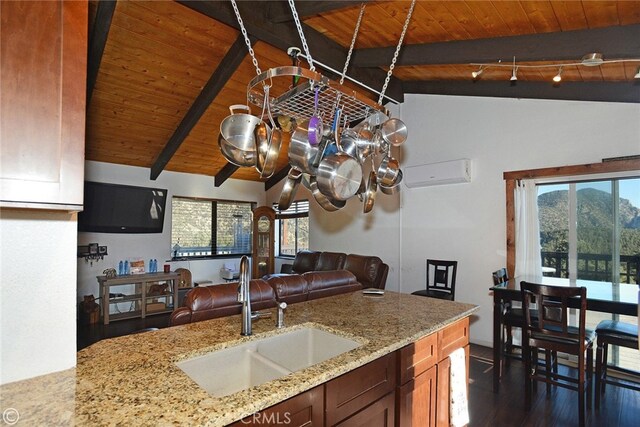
[(112, 208)]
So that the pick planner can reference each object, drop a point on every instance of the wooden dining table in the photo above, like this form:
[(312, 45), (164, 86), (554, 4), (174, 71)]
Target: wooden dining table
[(606, 297)]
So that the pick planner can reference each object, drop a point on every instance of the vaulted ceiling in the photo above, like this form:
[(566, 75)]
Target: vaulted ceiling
[(162, 74)]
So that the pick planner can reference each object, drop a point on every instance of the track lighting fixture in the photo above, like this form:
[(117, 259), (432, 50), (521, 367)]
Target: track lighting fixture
[(476, 74), (558, 77), (594, 59)]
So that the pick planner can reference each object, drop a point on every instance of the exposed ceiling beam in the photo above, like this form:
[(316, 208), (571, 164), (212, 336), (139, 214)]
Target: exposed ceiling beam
[(224, 174), (306, 9), (284, 35), (218, 79), (572, 91), (97, 42), (612, 42), (277, 177)]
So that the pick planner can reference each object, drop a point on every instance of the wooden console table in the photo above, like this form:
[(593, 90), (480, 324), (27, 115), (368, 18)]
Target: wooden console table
[(139, 291)]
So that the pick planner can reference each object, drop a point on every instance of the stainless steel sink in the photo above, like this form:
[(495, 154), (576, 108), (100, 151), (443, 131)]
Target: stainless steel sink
[(233, 369)]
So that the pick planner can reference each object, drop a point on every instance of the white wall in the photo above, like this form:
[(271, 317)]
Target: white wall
[(466, 222), (157, 245), (37, 293)]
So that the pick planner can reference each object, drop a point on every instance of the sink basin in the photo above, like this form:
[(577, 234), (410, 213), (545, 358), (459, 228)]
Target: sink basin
[(233, 369)]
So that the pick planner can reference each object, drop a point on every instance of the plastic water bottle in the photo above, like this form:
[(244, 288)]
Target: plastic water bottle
[(120, 268), (126, 267), (150, 266), (155, 265)]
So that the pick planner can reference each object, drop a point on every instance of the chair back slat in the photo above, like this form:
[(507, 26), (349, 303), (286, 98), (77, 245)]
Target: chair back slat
[(500, 277)]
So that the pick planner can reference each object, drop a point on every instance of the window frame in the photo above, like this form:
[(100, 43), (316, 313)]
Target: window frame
[(281, 215), (214, 230)]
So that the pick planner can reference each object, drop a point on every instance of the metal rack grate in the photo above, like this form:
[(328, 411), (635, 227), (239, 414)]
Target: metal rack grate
[(298, 102)]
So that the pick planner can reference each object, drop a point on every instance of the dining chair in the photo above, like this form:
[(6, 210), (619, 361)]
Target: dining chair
[(551, 332), (511, 316), (441, 280), (611, 332)]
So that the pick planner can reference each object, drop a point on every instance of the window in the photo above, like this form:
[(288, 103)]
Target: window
[(591, 229), (293, 228), (193, 234)]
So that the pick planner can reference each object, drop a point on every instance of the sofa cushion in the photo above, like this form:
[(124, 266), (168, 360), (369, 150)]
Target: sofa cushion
[(305, 261), (289, 288), (367, 269), (326, 283), (330, 261), (210, 302)]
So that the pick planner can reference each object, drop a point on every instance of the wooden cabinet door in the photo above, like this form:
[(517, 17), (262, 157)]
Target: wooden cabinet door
[(353, 391), (416, 401), (303, 410), (378, 414), (443, 389), (43, 61)]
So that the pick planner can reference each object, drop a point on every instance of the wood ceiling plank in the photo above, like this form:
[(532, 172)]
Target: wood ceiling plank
[(142, 103), (628, 12), (105, 109), (630, 69), (456, 29), (307, 9), (613, 72), (541, 16), (234, 57), (97, 42), (515, 17), (601, 13), (570, 15), (183, 23), (488, 16), (462, 14), (590, 74)]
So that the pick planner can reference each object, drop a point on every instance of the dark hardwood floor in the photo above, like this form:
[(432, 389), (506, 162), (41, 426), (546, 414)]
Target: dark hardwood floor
[(619, 408)]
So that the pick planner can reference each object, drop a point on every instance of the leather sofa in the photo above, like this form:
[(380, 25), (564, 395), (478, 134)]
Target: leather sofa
[(210, 302), (370, 271)]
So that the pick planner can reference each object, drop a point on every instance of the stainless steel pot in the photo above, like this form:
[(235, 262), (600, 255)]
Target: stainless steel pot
[(339, 176), (289, 189), (325, 202), (236, 156), (301, 153), (394, 188), (388, 171), (238, 129), (394, 131)]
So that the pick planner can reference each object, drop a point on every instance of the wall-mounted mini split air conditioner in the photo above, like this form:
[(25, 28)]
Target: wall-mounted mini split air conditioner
[(451, 172)]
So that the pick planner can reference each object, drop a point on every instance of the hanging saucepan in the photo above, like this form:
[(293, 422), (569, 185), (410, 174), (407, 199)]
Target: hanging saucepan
[(325, 202), (315, 122), (238, 129), (392, 189), (301, 153), (267, 149), (236, 156), (339, 176), (394, 131), (370, 194), (289, 189), (348, 144), (388, 171)]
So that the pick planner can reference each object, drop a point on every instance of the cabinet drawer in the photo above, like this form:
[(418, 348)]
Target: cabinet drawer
[(417, 357), (355, 390), (453, 337), (378, 414), (416, 401)]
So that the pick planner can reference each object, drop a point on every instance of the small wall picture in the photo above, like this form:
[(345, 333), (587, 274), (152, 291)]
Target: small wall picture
[(137, 266)]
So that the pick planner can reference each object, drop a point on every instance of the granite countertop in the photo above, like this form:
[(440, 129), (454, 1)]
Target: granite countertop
[(133, 380)]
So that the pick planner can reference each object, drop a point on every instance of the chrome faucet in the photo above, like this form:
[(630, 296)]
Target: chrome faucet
[(244, 297)]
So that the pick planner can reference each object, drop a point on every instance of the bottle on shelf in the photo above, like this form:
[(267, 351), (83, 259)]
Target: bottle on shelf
[(120, 268), (126, 267)]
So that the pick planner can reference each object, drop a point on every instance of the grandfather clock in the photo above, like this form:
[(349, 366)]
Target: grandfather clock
[(263, 238)]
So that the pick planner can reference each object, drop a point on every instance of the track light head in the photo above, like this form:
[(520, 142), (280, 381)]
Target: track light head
[(558, 77), (637, 76), (514, 77), (476, 74)]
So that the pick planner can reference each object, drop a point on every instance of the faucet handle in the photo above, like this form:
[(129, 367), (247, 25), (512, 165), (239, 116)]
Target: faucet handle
[(260, 314)]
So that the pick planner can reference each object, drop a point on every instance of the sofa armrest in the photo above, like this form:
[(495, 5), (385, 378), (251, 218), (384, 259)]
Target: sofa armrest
[(381, 279), (180, 316)]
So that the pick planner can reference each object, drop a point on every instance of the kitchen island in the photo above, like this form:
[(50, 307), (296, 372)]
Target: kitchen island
[(134, 379)]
